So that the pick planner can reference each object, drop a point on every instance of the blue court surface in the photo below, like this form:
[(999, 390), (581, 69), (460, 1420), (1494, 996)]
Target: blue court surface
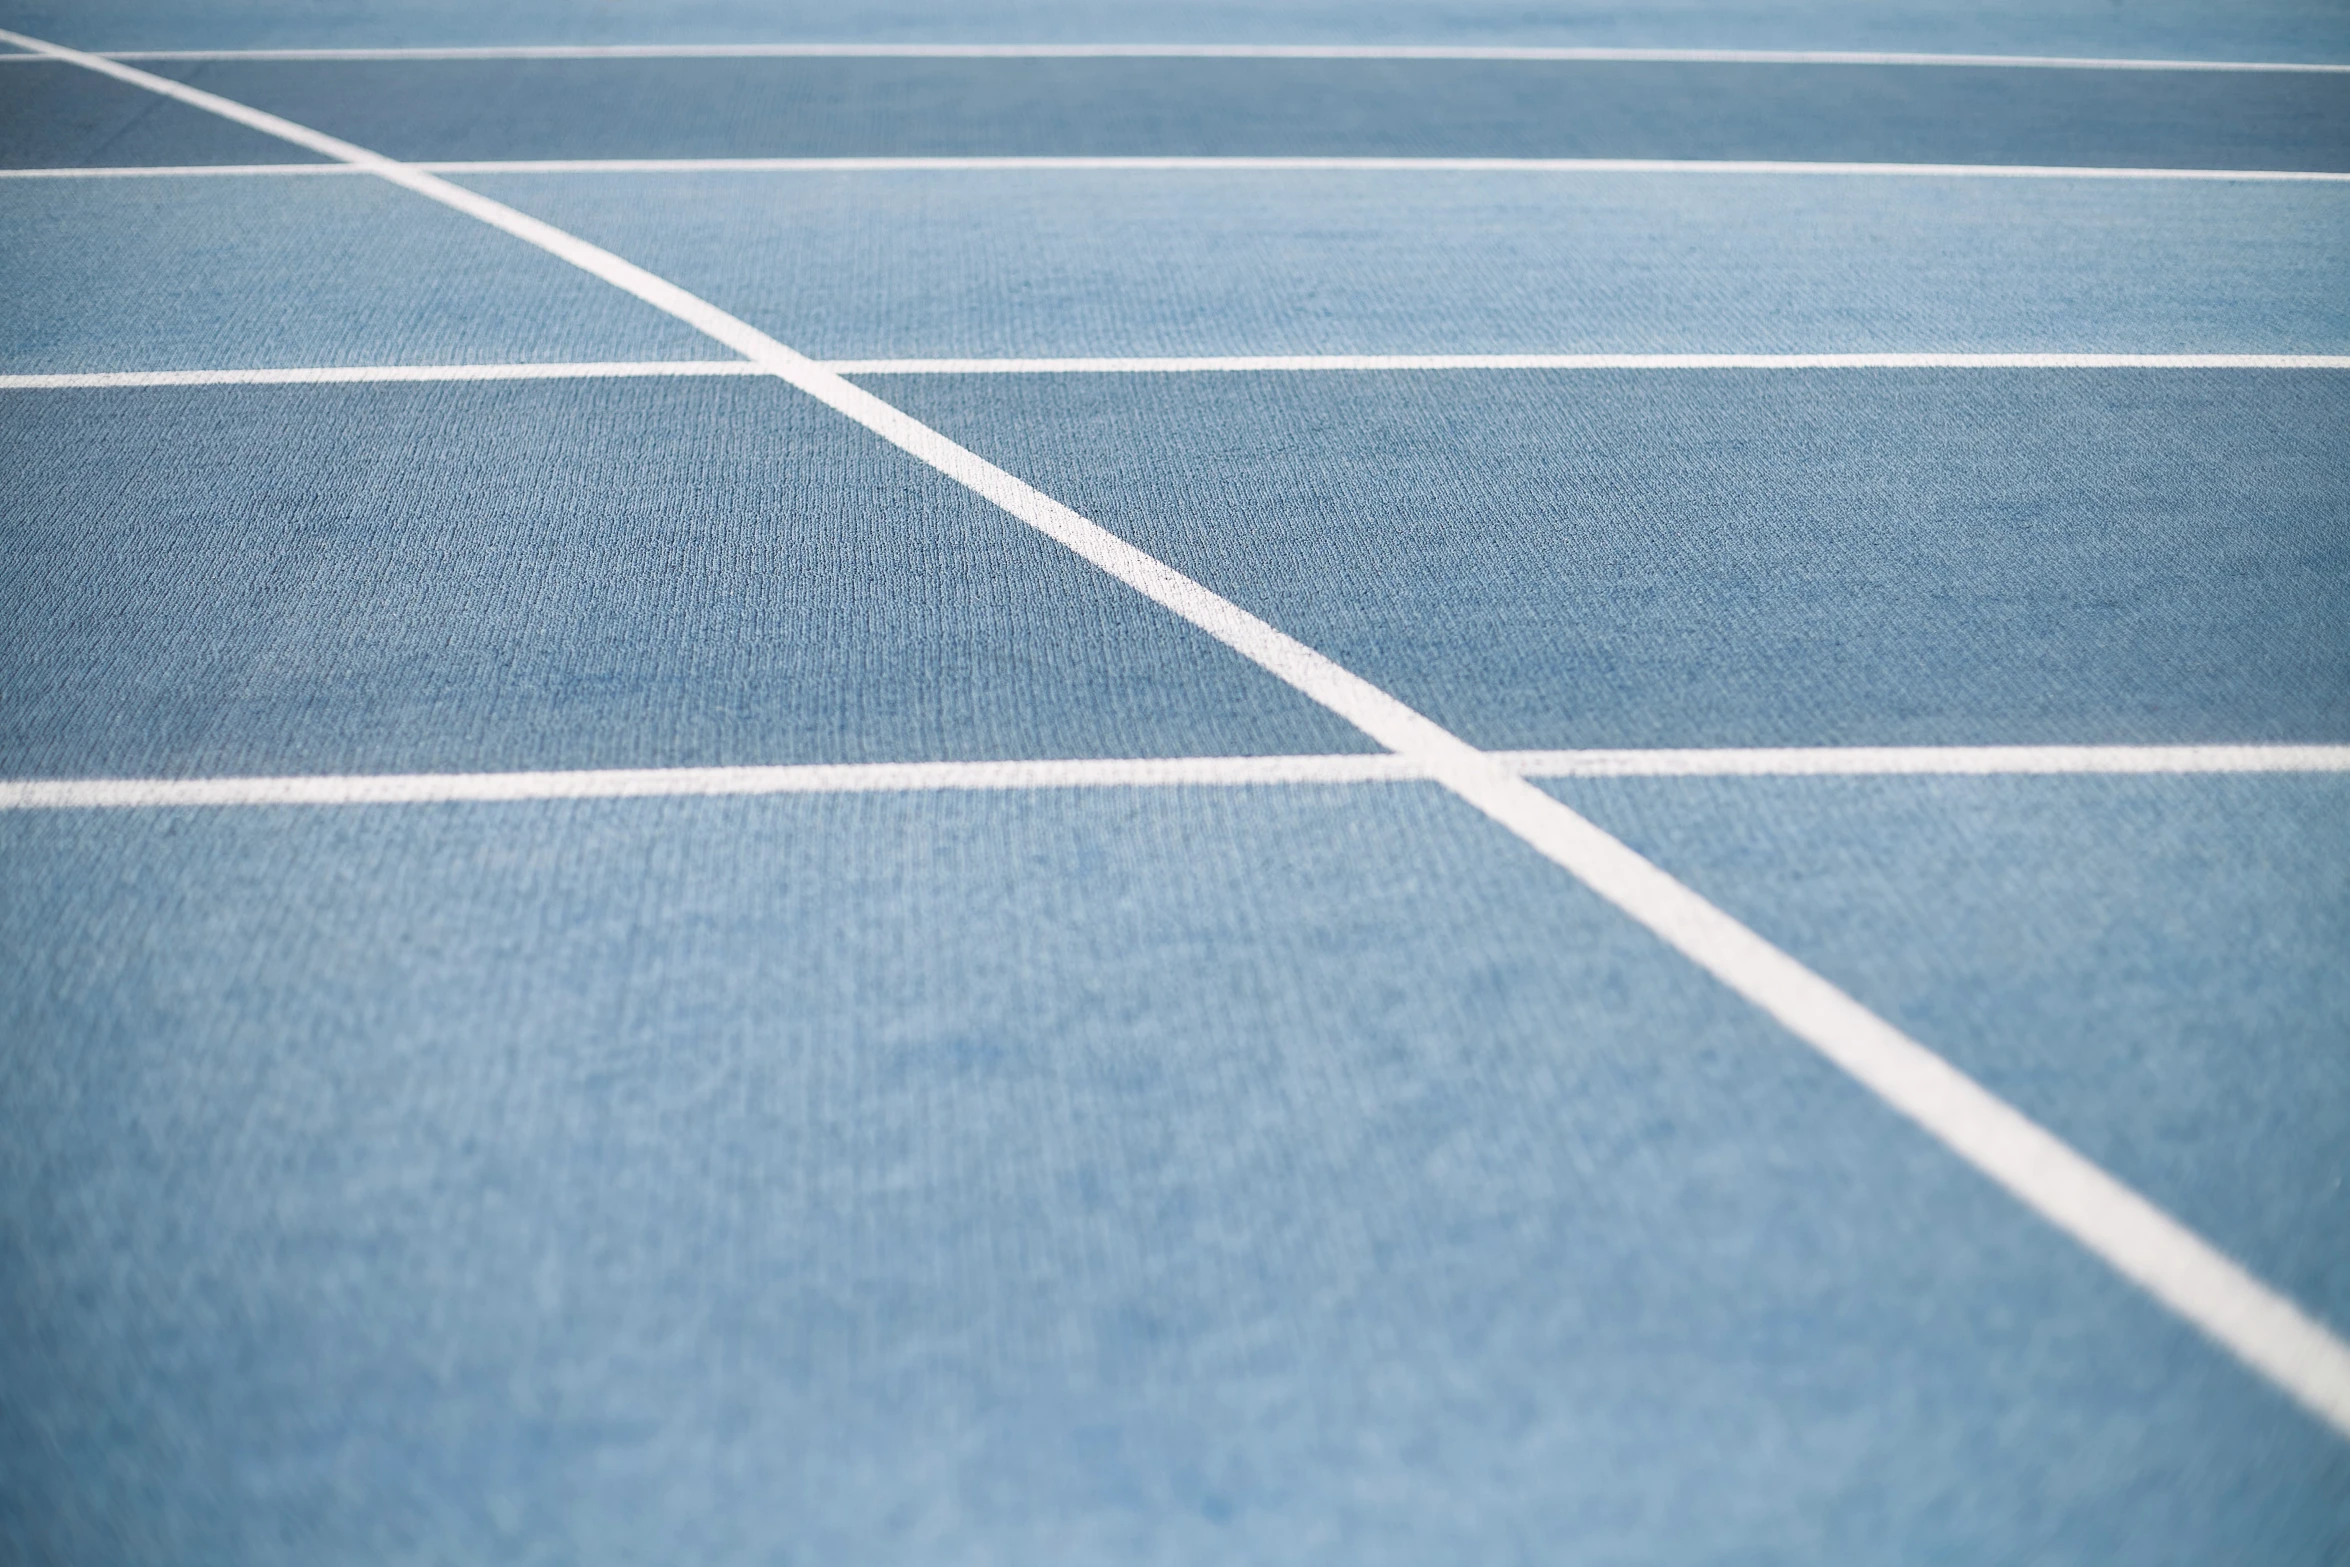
[(1413, 782)]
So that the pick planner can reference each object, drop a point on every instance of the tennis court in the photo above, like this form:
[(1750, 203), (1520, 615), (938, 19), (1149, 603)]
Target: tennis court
[(1412, 782)]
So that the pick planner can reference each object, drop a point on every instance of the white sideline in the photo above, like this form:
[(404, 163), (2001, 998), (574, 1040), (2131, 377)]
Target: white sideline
[(346, 375), (1177, 51), (27, 794), (1280, 164), (2262, 1328), (1928, 760), (1240, 363), (1233, 165), (174, 171), (640, 783), (1231, 363)]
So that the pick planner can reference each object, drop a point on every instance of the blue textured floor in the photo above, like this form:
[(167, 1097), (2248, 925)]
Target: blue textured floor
[(1418, 108), (2159, 29), (1728, 558), (1289, 1173)]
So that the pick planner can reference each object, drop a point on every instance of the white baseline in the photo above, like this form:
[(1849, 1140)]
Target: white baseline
[(1530, 53), (1225, 165), (344, 375), (24, 794), (2262, 1328)]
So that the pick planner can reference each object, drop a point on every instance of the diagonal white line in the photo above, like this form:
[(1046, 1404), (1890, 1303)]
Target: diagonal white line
[(979, 164), (338, 375), (25, 794), (2178, 1267), (1208, 51)]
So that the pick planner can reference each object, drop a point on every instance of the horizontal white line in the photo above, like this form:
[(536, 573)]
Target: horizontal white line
[(1865, 761), (1225, 165), (899, 777), (1308, 362), (1146, 51), (175, 171), (857, 778), (1343, 165), (631, 370), (350, 374)]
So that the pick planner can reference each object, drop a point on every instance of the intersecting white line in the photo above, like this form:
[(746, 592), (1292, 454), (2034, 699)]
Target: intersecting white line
[(1178, 51), (23, 794), (340, 375), (2261, 1327), (1177, 163)]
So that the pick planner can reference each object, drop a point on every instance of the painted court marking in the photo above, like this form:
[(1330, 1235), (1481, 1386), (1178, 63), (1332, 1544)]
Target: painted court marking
[(1927, 760), (1243, 363), (651, 782), (2178, 1267), (175, 171), (26, 794), (1147, 51), (341, 375), (1223, 165), (346, 375)]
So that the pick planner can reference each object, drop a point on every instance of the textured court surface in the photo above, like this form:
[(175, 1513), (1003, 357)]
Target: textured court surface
[(944, 1138)]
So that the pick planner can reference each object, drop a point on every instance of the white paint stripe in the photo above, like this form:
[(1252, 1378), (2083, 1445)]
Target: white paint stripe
[(1149, 772), (1351, 165), (344, 375), (2262, 1328), (638, 783), (1895, 761), (1313, 362), (1242, 165), (355, 374), (176, 171), (1147, 51)]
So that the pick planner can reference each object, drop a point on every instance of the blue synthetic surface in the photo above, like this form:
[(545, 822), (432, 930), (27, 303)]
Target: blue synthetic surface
[(2171, 1003), (1167, 1176), (56, 116), (1266, 1174), (1244, 108), (1846, 557), (231, 272), (1029, 263), (568, 574), (2146, 29)]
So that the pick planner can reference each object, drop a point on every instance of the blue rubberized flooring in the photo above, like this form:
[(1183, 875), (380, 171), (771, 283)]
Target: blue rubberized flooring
[(1283, 1173)]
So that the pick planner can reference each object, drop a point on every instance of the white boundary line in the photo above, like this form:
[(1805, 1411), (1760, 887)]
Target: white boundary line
[(1243, 363), (23, 794), (2262, 1328), (1347, 165), (343, 375), (1532, 53), (1214, 165), (174, 171), (1882, 761), (347, 375), (643, 783)]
